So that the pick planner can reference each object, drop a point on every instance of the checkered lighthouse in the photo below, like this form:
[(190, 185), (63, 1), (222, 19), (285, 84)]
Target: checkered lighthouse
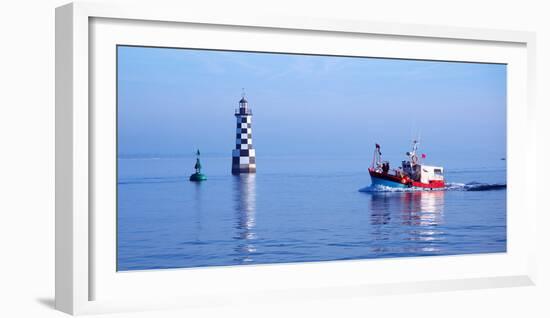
[(244, 154)]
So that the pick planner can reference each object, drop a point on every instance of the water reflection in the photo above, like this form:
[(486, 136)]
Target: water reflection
[(197, 200), (414, 217), (422, 208), (244, 198)]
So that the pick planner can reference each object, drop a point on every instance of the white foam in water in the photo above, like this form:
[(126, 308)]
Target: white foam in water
[(455, 186), (451, 186), (383, 188)]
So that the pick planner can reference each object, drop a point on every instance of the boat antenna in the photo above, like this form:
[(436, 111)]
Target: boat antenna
[(413, 129)]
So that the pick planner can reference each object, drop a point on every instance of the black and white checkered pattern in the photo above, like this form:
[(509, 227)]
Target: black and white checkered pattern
[(244, 154)]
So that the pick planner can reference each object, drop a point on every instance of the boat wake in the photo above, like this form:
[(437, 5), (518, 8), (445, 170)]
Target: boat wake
[(452, 186), (475, 186)]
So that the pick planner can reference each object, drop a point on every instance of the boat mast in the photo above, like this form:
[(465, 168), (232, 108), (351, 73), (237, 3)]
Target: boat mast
[(377, 156)]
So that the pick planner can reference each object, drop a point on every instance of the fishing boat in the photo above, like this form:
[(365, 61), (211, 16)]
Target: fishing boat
[(412, 173)]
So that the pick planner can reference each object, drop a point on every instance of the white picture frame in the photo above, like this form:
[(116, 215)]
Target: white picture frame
[(85, 281)]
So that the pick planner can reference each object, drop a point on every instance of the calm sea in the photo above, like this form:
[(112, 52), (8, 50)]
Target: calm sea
[(297, 210)]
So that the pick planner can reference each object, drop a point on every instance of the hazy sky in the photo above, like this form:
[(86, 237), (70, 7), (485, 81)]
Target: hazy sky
[(172, 101)]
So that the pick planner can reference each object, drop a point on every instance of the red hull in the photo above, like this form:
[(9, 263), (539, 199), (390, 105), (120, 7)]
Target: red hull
[(433, 184)]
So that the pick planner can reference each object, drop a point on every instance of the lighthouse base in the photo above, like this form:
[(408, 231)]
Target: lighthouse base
[(244, 161), (243, 169)]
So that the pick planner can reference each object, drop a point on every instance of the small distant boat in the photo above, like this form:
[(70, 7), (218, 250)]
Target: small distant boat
[(411, 174)]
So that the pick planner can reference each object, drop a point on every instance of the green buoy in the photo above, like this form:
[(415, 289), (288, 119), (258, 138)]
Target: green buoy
[(197, 176)]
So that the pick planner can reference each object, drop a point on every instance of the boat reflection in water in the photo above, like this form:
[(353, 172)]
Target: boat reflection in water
[(244, 198), (407, 222)]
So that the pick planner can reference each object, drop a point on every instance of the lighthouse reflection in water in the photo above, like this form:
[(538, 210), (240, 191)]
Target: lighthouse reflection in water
[(244, 196)]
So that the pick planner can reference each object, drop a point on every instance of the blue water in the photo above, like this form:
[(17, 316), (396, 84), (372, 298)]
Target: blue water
[(297, 210)]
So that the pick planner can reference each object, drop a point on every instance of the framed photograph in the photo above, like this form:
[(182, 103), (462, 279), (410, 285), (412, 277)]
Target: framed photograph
[(202, 159)]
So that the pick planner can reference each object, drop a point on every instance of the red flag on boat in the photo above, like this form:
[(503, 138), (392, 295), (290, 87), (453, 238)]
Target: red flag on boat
[(423, 156)]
